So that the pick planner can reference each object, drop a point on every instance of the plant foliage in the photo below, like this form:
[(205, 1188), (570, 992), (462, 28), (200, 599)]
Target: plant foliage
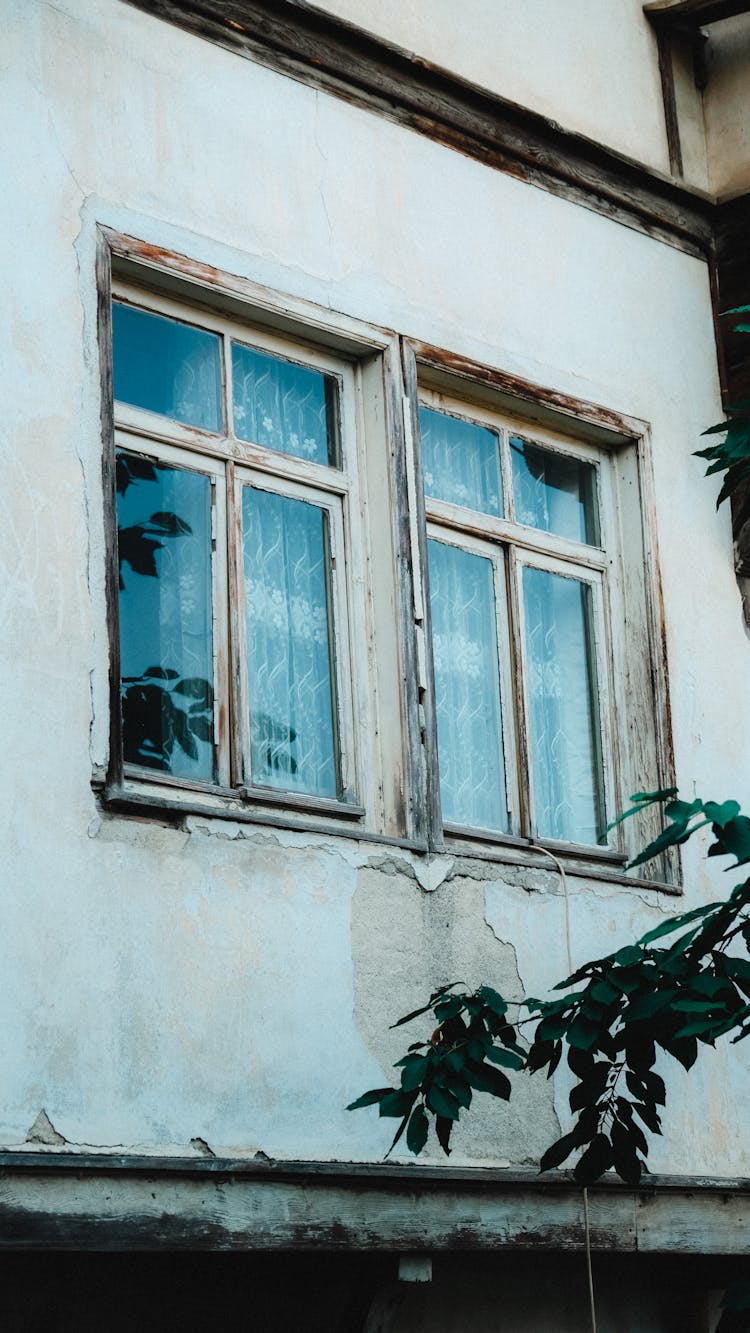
[(683, 984)]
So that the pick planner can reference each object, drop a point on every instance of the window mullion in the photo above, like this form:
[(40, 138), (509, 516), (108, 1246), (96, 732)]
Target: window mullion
[(240, 721), (519, 667)]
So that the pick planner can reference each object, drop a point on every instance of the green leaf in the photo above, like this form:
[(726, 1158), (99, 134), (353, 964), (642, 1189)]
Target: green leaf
[(640, 801), (443, 1128), (443, 1103), (583, 1034), (558, 1151), (683, 1047), (449, 1008), (721, 814), (415, 1013), (398, 1134), (646, 1004), (483, 1078), (648, 1115), (632, 953), (369, 1098), (676, 922), (396, 1103), (493, 1000), (415, 1073), (508, 1059), (417, 1130), (734, 840), (595, 1161), (625, 1157), (604, 993)]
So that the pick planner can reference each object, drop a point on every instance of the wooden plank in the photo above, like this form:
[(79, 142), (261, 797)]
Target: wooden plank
[(112, 567), (328, 53), (697, 12), (68, 1202)]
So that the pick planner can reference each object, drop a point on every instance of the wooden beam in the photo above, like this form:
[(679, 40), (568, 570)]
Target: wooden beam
[(327, 53), (698, 13), (67, 1201)]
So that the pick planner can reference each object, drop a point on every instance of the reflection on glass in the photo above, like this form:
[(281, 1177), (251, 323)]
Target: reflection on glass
[(166, 650), (283, 406), (554, 492), (166, 367), (467, 688), (460, 462), (289, 644), (566, 769)]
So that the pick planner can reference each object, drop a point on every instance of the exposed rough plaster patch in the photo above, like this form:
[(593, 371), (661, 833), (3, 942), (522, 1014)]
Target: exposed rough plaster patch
[(43, 1131), (405, 944), (229, 831), (391, 865), (529, 878)]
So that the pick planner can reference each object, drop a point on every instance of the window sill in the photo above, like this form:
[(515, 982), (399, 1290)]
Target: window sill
[(150, 801)]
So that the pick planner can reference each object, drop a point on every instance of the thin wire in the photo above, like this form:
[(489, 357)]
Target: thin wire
[(587, 1228)]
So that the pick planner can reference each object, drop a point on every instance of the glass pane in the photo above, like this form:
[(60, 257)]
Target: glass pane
[(555, 492), (461, 462), (289, 644), (166, 648), (467, 688), (166, 367), (566, 770), (282, 406)]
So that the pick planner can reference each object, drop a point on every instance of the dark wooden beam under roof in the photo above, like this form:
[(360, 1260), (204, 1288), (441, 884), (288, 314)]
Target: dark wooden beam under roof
[(315, 48), (697, 13)]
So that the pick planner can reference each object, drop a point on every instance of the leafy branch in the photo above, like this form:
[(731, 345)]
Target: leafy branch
[(616, 1014)]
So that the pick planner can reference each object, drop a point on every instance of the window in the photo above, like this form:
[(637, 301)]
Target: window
[(517, 524), (366, 585), (242, 588)]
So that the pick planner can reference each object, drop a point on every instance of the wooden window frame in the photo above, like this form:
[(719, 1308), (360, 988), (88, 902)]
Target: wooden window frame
[(389, 643), (633, 673), (364, 589)]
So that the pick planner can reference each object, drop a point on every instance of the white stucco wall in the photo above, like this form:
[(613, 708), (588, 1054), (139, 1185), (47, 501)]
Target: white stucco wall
[(591, 67), (158, 984)]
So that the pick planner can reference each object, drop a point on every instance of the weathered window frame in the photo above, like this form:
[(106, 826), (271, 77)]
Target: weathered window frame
[(359, 497), (631, 617), (393, 722)]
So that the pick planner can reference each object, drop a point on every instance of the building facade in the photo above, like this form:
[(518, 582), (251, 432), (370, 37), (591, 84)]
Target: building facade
[(356, 569)]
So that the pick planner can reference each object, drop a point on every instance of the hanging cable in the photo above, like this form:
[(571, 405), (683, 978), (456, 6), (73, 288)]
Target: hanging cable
[(587, 1229)]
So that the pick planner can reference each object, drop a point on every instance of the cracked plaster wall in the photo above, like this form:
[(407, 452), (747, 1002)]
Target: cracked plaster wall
[(211, 984)]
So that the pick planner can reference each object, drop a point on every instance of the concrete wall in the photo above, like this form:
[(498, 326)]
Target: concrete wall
[(234, 983), (591, 67)]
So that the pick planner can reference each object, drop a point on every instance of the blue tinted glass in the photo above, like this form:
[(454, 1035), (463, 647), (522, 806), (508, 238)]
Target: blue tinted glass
[(461, 462), (283, 406), (467, 688), (554, 492), (289, 643), (166, 367), (166, 644), (566, 770)]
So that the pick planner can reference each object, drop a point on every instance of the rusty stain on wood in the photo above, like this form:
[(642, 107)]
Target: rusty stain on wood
[(524, 391)]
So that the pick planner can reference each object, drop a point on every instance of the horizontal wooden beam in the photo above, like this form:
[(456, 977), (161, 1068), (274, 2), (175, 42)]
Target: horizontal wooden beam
[(695, 12), (327, 53), (68, 1201)]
